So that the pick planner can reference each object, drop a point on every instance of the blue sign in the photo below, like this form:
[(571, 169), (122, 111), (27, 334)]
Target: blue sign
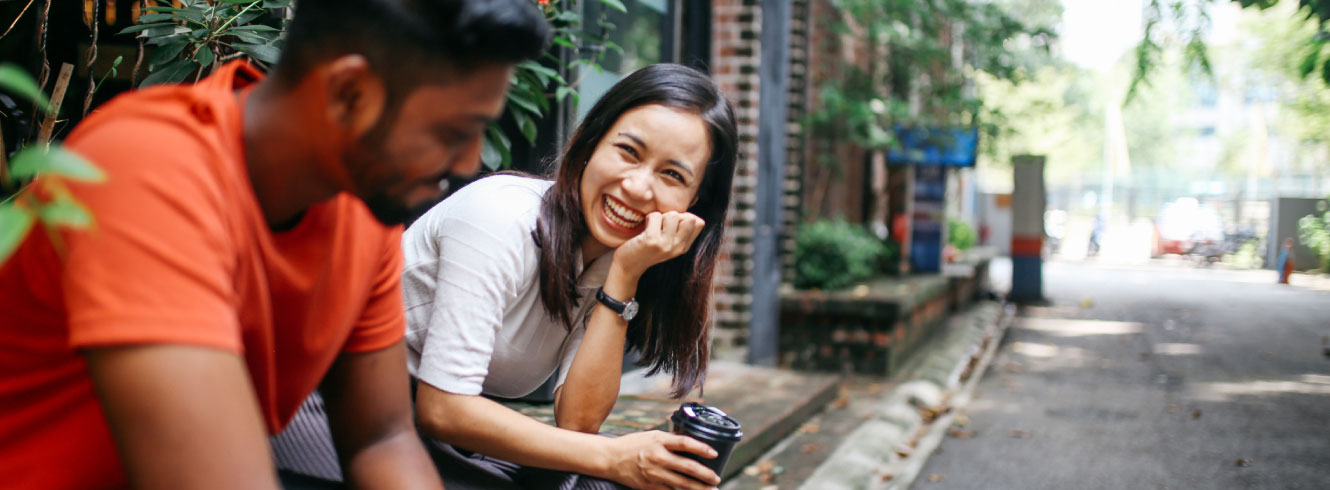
[(933, 146)]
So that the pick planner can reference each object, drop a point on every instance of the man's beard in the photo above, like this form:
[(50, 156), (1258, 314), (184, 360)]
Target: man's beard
[(390, 210)]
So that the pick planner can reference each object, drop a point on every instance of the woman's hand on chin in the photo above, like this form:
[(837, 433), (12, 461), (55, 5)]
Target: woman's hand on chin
[(666, 236), (647, 460)]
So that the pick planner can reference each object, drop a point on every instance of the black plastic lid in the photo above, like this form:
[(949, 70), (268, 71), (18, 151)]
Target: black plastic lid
[(707, 421)]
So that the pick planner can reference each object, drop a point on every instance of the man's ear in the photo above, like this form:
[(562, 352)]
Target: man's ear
[(355, 95)]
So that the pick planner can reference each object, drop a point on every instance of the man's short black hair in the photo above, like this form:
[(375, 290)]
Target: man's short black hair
[(404, 40)]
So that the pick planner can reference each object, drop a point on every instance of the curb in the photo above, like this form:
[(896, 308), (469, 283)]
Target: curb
[(889, 449)]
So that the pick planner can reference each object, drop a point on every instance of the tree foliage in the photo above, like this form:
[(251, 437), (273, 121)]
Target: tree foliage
[(25, 208), (914, 63), (199, 35), (1189, 21)]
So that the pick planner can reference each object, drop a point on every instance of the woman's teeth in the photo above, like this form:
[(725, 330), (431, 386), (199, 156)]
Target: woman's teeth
[(621, 215)]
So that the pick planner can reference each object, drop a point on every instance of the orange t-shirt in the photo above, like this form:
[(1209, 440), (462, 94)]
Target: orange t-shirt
[(180, 254)]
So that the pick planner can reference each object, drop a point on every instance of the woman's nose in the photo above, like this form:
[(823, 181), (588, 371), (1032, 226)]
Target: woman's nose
[(637, 185)]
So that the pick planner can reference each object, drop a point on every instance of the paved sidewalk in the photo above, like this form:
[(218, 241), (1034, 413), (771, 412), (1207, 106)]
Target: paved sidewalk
[(887, 449)]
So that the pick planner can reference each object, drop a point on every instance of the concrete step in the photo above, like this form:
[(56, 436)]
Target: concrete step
[(769, 403)]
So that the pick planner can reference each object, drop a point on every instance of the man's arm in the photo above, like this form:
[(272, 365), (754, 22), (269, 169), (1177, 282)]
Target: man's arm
[(367, 396), (182, 417)]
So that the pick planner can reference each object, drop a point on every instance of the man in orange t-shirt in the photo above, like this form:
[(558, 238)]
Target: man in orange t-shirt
[(246, 252)]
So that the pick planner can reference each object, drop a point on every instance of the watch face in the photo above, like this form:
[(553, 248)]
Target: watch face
[(629, 310)]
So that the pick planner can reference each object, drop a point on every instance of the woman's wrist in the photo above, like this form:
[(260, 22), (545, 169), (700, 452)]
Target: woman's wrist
[(621, 284)]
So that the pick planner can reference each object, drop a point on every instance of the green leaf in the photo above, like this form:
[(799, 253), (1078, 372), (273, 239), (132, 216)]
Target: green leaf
[(523, 102), (14, 80), (239, 2), (560, 93), (502, 144), (563, 41), (489, 154), (205, 57), (264, 53), (544, 71), (247, 17), (256, 27), (143, 27), (276, 4), (14, 225), (527, 125), (569, 16), (65, 211), (31, 161), (163, 54), (151, 18), (172, 72), (616, 5), (249, 37)]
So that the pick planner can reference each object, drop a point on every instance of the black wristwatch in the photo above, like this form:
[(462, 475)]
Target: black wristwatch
[(625, 310)]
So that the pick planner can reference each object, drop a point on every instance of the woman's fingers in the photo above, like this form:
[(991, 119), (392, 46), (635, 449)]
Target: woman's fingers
[(654, 221), (684, 444)]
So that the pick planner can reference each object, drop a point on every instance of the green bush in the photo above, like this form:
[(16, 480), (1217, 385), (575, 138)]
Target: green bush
[(835, 254), (1314, 232), (960, 235)]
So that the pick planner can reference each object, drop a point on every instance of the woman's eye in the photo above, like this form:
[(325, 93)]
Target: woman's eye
[(628, 149), (676, 176)]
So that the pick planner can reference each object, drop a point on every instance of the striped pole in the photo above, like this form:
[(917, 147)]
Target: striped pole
[(1027, 230)]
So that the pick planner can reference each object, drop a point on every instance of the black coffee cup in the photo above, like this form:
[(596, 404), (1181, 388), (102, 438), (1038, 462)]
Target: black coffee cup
[(711, 426)]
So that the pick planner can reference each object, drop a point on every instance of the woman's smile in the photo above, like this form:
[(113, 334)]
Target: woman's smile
[(621, 216)]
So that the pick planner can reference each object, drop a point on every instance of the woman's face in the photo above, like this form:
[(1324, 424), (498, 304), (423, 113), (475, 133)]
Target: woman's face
[(651, 160)]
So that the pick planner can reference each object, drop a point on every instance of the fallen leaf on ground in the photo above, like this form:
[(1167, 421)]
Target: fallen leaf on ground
[(887, 476), (903, 451), (875, 388), (1019, 434), (808, 448), (765, 466), (961, 420), (1196, 414), (1242, 462), (810, 428), (936, 478), (1087, 302), (842, 400), (1013, 367), (960, 433), (766, 479)]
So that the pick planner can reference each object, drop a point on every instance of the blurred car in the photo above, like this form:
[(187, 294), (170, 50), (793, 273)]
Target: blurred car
[(1185, 226)]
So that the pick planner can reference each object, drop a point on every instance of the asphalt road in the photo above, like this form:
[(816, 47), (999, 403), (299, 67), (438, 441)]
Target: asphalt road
[(1151, 377)]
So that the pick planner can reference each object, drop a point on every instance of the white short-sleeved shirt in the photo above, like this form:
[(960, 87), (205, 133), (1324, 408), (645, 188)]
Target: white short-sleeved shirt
[(475, 321)]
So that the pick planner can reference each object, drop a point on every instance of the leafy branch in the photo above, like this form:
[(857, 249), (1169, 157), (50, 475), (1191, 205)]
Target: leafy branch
[(55, 206)]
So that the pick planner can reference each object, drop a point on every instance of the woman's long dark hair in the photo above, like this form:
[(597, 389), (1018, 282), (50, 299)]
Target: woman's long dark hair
[(671, 330)]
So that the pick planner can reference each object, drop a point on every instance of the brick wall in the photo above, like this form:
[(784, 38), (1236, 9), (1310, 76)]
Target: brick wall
[(735, 55), (736, 52)]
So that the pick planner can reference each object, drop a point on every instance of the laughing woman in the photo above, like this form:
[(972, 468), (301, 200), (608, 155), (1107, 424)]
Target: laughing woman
[(514, 278)]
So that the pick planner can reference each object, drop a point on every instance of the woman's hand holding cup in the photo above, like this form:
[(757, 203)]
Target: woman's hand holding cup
[(647, 460)]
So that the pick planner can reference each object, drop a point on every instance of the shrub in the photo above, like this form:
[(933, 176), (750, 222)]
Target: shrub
[(835, 254), (960, 234), (1314, 232)]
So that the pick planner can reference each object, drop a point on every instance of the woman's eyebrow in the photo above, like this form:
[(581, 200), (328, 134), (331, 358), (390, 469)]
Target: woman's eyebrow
[(643, 144)]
